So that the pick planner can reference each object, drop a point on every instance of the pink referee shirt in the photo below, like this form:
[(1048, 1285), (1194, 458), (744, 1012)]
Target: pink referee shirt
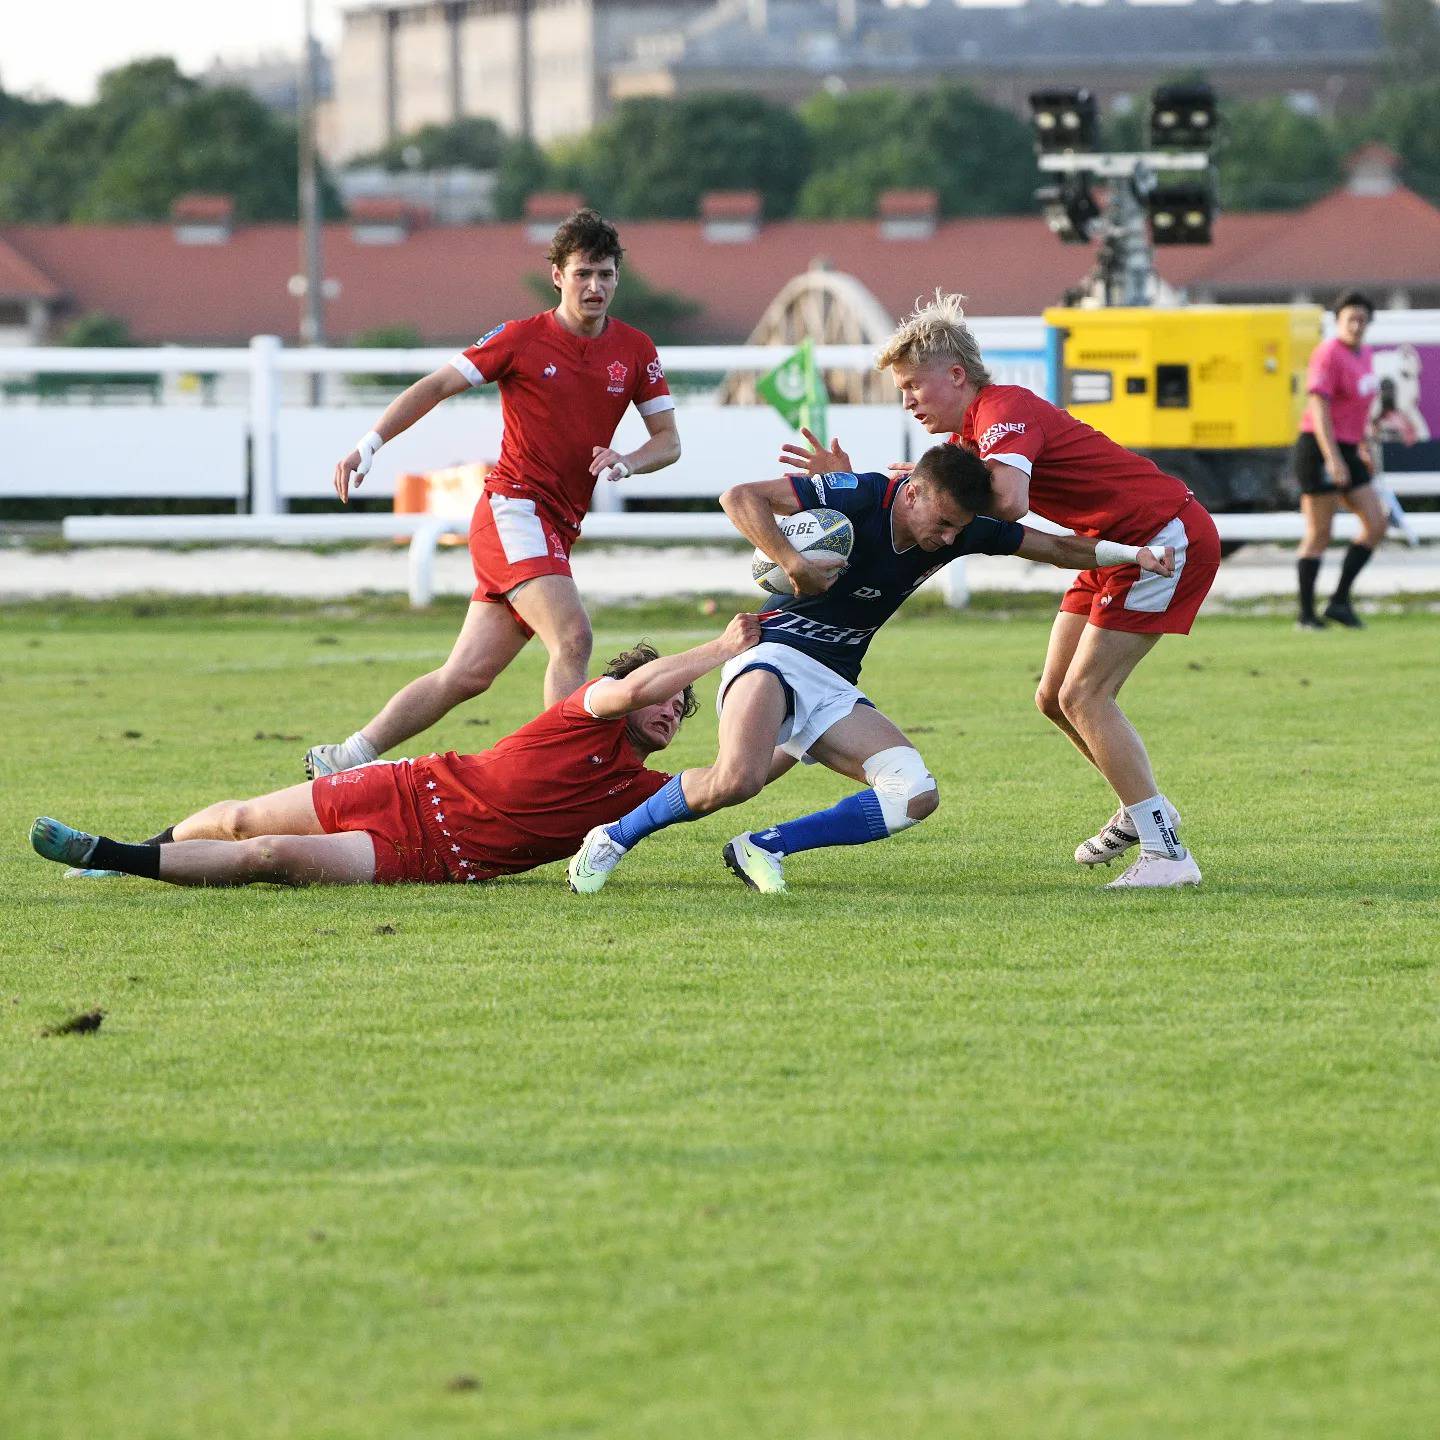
[(1347, 379)]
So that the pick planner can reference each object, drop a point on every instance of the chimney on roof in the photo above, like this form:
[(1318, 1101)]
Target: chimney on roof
[(1373, 170), (908, 214), (546, 209), (202, 219), (730, 217), (382, 219)]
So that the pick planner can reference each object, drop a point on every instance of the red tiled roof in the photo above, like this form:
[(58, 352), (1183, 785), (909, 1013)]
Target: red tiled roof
[(206, 209), (907, 203), (730, 205), (20, 280), (1346, 239), (453, 283)]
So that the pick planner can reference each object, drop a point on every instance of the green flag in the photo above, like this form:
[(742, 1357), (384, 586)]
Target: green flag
[(796, 389)]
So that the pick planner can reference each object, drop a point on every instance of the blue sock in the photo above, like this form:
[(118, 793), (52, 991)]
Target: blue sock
[(665, 807), (856, 820)]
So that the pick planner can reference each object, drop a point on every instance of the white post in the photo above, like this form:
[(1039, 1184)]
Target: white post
[(954, 583), (264, 426)]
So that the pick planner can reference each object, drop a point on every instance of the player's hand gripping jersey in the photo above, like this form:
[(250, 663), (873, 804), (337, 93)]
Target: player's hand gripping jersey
[(836, 628), (529, 800), (561, 395), (1079, 478)]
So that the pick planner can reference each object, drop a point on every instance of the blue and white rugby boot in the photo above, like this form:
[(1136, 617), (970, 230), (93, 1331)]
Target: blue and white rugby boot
[(82, 873), (591, 864), (1114, 838), (58, 841), (758, 867)]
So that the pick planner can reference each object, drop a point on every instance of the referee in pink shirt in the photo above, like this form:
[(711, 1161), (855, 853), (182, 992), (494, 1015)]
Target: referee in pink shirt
[(1334, 461)]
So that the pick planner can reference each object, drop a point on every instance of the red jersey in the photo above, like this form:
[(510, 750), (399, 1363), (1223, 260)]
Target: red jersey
[(561, 395), (1079, 478), (534, 796)]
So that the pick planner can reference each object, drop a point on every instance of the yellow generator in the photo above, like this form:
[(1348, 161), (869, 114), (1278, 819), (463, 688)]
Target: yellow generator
[(1212, 393)]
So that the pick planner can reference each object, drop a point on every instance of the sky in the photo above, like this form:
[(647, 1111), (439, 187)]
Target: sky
[(61, 49)]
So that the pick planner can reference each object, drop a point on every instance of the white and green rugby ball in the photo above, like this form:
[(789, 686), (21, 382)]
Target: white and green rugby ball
[(826, 531)]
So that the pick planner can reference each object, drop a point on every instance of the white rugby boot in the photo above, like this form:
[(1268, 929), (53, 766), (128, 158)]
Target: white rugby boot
[(591, 864), (1114, 838), (324, 760), (1158, 872), (758, 867)]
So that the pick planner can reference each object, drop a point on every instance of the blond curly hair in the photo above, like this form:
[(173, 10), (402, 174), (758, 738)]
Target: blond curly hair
[(936, 330)]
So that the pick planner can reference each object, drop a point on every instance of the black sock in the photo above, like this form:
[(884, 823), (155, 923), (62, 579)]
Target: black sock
[(143, 860), (165, 837), (1356, 559), (1309, 568)]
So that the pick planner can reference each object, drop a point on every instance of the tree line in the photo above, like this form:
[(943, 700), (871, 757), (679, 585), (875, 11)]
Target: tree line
[(153, 133)]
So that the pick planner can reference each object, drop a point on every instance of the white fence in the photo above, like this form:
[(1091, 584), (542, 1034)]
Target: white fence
[(266, 453)]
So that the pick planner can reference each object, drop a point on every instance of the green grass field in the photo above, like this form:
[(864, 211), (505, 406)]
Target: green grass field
[(946, 1142)]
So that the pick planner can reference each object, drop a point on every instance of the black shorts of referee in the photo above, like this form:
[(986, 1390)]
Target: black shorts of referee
[(1310, 468)]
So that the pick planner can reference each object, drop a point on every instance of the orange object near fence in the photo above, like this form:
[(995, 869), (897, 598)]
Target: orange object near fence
[(451, 491)]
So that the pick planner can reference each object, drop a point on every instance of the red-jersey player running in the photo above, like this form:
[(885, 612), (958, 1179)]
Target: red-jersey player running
[(566, 377), (527, 801), (1042, 459)]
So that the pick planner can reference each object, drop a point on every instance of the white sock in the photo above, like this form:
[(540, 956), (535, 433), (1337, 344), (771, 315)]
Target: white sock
[(1151, 819), (357, 750)]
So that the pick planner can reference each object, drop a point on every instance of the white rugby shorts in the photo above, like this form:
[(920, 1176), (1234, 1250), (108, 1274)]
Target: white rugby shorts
[(816, 697)]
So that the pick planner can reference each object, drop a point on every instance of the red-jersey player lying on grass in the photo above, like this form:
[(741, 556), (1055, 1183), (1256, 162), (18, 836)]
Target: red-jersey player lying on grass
[(529, 800)]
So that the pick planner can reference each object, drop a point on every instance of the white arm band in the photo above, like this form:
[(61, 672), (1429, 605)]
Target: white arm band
[(369, 443), (1110, 552)]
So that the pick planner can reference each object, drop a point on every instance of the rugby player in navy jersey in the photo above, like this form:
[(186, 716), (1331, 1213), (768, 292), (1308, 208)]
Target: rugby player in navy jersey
[(794, 696)]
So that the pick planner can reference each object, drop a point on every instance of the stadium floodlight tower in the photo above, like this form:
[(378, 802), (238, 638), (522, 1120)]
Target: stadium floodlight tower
[(1138, 211)]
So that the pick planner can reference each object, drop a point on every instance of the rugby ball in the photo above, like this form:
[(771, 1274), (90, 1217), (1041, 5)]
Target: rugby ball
[(826, 531)]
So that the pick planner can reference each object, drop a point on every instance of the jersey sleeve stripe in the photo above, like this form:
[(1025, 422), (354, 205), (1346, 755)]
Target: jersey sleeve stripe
[(468, 369), (590, 690), (798, 484), (655, 406), (1020, 462)]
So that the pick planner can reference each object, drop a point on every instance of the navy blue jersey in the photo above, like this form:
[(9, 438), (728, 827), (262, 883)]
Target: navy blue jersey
[(837, 627)]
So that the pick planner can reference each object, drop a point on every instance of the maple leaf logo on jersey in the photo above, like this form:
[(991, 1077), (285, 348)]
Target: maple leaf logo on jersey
[(998, 431), (617, 370)]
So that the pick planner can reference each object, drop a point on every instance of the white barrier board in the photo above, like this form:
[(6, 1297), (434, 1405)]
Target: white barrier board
[(72, 451)]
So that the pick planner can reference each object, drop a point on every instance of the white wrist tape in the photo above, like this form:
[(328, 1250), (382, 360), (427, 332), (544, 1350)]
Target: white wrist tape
[(368, 445), (618, 471), (1110, 552)]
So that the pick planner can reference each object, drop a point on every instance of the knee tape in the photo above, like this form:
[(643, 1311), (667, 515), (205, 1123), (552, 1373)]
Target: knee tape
[(897, 776)]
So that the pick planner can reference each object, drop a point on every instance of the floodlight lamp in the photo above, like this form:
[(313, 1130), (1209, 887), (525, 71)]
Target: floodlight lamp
[(1064, 120), (1180, 215), (1183, 117)]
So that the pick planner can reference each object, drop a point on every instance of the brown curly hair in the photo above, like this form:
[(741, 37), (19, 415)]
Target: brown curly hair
[(642, 653), (586, 233)]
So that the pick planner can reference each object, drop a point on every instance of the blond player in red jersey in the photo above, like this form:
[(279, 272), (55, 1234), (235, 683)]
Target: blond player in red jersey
[(566, 377), (529, 800), (1042, 459)]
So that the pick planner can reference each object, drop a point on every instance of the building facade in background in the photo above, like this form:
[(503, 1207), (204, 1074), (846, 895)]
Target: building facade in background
[(536, 67), (553, 68)]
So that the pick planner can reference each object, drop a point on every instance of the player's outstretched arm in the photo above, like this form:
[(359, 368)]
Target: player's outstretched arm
[(1076, 552), (400, 414), (752, 510), (670, 674), (660, 450)]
